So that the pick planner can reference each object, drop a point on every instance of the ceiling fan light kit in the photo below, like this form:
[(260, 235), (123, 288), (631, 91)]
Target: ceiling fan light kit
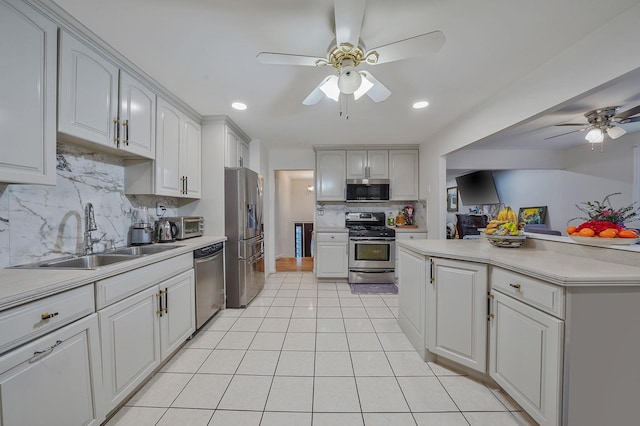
[(603, 121), (347, 51)]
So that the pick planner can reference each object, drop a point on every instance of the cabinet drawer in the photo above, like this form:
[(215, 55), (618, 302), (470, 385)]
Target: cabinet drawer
[(116, 288), (23, 323), (548, 297), (411, 235), (332, 236)]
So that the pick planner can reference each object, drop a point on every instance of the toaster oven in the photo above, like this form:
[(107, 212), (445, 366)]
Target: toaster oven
[(188, 226)]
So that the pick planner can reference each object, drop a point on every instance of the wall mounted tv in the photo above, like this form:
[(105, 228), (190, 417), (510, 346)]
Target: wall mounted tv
[(477, 188)]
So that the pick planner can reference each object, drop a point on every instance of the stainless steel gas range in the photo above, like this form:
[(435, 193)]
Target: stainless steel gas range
[(371, 248)]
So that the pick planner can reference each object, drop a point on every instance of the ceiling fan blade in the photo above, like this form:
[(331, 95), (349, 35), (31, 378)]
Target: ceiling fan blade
[(317, 94), (378, 92), (286, 59), (349, 15), (628, 113), (420, 45), (567, 133), (631, 120)]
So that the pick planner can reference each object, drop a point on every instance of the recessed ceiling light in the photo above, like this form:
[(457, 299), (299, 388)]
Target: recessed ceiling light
[(239, 106), (421, 104)]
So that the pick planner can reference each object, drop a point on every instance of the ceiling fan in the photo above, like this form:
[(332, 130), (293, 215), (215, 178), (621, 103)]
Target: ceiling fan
[(347, 51), (603, 121)]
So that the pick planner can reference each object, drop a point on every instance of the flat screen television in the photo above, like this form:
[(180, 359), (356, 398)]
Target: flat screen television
[(477, 188)]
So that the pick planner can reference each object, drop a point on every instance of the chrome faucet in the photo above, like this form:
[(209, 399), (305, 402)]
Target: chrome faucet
[(89, 225)]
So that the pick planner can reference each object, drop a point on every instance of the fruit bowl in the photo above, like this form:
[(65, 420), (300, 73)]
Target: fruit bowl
[(509, 241), (595, 241)]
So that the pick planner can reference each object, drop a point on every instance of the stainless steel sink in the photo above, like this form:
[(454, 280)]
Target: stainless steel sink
[(94, 261), (144, 250), (91, 261)]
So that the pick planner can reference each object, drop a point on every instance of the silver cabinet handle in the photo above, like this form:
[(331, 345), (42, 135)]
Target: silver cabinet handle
[(39, 354)]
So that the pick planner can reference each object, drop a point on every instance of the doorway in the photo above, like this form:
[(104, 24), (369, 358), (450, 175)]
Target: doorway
[(294, 207)]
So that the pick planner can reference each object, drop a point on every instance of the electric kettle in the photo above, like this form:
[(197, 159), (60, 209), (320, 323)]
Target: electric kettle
[(165, 231)]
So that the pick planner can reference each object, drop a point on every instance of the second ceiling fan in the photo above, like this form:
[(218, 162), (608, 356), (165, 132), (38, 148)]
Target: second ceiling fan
[(347, 51)]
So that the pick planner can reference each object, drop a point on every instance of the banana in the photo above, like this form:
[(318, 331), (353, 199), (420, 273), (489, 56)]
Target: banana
[(490, 231), (508, 215)]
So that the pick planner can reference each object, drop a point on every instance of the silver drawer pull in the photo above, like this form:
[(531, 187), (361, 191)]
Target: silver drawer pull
[(47, 315), (39, 354), (516, 286)]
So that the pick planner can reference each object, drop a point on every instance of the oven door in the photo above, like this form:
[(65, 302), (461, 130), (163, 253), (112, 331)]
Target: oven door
[(372, 253)]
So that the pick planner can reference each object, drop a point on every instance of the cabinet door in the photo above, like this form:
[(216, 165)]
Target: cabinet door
[(52, 380), (88, 103), (231, 150), (178, 321), (243, 154), (130, 344), (191, 158), (378, 163), (457, 312), (137, 117), (403, 174), (168, 150), (356, 164), (330, 175), (27, 95), (407, 236), (526, 357), (332, 259), (412, 283)]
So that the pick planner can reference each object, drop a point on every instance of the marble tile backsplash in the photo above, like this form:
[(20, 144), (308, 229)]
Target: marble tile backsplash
[(39, 221), (332, 215)]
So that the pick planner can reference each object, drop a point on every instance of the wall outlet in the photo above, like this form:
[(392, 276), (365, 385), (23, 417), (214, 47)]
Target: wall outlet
[(160, 209)]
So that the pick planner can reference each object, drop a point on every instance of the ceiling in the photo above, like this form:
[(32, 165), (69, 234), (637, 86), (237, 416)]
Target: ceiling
[(204, 51)]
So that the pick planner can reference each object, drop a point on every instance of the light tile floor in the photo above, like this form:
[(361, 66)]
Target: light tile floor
[(309, 353)]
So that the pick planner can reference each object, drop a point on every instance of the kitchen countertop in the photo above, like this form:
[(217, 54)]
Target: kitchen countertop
[(403, 229), (557, 268), (18, 286)]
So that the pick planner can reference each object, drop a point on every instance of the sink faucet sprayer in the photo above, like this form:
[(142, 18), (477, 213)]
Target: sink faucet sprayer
[(90, 225)]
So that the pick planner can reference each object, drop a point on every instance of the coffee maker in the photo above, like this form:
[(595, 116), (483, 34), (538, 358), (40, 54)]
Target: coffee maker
[(142, 230)]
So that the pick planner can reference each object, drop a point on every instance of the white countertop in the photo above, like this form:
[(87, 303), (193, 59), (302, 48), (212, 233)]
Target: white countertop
[(403, 229), (18, 286), (557, 268)]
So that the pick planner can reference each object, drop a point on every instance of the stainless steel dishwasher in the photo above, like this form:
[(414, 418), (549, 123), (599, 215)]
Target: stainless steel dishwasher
[(209, 266)]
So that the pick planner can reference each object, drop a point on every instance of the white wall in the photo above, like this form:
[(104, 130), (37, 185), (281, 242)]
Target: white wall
[(568, 75)]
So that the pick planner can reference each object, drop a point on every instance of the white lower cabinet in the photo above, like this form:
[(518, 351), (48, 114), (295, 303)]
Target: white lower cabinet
[(407, 236), (457, 312), (526, 357), (54, 380), (413, 279), (139, 332), (332, 255)]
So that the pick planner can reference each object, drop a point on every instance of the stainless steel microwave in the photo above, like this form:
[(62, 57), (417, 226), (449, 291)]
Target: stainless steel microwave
[(367, 189)]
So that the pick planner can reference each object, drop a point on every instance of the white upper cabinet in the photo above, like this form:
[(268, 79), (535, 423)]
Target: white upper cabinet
[(177, 165), (137, 116), (236, 150), (330, 175), (96, 106), (27, 95), (372, 164), (403, 174)]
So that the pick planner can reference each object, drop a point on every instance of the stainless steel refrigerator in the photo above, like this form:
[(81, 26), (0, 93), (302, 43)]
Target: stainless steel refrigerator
[(245, 232)]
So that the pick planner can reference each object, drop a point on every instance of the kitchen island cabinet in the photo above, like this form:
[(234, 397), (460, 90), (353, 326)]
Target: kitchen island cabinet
[(456, 312), (564, 330), (27, 95)]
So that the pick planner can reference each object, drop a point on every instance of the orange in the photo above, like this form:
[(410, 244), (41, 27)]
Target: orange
[(627, 233), (608, 233), (571, 229), (586, 232)]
